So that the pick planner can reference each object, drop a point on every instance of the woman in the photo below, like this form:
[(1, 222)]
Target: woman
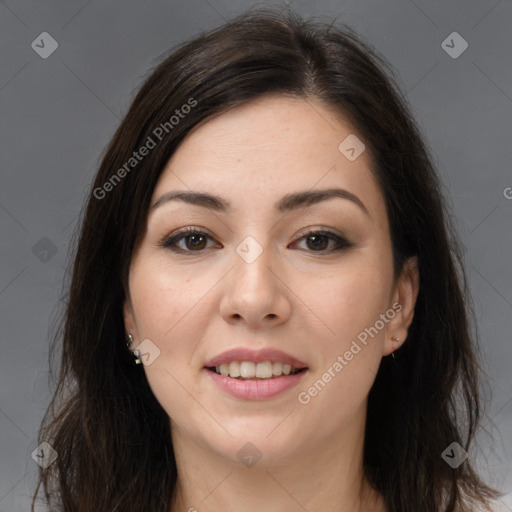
[(267, 308)]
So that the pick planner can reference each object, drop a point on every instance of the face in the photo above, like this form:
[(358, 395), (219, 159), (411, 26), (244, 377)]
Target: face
[(276, 280)]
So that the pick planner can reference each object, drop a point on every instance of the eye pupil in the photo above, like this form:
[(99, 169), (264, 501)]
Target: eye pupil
[(319, 238), (195, 237)]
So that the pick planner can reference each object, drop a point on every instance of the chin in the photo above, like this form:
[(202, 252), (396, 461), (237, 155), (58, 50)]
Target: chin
[(267, 439)]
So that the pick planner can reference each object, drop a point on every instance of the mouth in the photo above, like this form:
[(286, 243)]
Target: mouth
[(249, 370), (247, 374)]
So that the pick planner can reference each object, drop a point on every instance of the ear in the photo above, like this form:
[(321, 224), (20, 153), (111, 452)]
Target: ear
[(404, 300), (129, 318)]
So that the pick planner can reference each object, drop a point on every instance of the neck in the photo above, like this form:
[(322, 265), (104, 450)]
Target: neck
[(326, 475)]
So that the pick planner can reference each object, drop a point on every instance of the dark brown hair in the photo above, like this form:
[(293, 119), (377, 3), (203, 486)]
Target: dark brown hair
[(112, 436)]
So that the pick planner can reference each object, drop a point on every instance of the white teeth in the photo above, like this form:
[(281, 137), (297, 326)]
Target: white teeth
[(234, 369), (277, 368), (247, 369), (264, 370), (251, 370)]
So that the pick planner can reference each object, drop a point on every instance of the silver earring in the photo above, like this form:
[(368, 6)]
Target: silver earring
[(135, 352), (395, 340)]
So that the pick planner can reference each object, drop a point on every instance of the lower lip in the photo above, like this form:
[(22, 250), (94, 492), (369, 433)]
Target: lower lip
[(256, 389)]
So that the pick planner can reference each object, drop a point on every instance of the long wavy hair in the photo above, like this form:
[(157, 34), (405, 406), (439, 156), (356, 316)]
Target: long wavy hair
[(112, 436)]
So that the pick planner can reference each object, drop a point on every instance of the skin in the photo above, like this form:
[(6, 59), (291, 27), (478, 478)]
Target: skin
[(308, 302)]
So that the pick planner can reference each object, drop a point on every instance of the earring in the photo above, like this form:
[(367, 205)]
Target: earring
[(135, 352), (395, 340)]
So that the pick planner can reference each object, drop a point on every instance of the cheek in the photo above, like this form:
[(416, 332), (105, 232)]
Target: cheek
[(361, 301), (349, 354), (164, 305), (347, 301)]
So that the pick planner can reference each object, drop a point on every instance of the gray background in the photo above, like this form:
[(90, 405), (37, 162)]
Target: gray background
[(58, 113)]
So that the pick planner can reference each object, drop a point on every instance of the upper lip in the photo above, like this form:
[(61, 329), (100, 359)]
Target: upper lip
[(256, 356)]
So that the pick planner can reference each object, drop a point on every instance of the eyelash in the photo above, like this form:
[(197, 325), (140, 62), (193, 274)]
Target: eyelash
[(171, 241)]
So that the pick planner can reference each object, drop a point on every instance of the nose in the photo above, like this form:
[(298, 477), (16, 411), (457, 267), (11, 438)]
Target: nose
[(255, 292)]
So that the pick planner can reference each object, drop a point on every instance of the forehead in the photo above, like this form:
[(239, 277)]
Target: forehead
[(263, 149)]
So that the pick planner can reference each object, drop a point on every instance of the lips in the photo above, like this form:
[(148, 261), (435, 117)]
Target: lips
[(250, 370), (255, 375), (255, 356)]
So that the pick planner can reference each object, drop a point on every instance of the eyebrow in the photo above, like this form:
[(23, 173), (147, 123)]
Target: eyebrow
[(287, 203)]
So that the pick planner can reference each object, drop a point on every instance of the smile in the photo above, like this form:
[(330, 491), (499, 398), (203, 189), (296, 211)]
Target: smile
[(249, 370), (255, 388), (249, 374)]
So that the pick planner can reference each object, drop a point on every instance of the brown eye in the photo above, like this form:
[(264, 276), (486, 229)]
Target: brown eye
[(195, 240), (318, 241)]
